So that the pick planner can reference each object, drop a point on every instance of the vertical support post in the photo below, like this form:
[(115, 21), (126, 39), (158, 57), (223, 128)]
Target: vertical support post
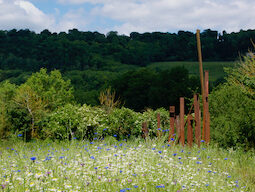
[(190, 130), (197, 120), (172, 116), (207, 114), (145, 130), (177, 123), (182, 135), (159, 129), (201, 76)]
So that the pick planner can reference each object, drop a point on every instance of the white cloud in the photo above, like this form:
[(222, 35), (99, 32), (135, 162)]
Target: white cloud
[(72, 19), (174, 15), (22, 14)]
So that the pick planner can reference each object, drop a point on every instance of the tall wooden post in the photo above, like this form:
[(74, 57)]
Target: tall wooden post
[(201, 76), (197, 120), (207, 114), (145, 130), (172, 116), (182, 135), (159, 129), (177, 123), (190, 130)]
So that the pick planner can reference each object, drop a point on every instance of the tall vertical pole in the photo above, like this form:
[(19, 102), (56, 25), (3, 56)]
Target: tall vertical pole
[(207, 114), (159, 129), (201, 77), (172, 116), (182, 138), (190, 130), (197, 120)]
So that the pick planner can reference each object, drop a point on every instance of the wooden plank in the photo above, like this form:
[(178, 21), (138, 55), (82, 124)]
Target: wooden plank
[(159, 131), (182, 135), (172, 119), (207, 114), (199, 50), (145, 130), (197, 120), (190, 130)]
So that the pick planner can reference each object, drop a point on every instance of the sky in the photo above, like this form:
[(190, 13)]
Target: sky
[(126, 16)]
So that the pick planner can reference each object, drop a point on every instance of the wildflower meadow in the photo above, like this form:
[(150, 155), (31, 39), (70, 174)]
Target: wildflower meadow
[(111, 165)]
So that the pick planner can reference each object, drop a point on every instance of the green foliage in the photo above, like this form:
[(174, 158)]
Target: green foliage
[(147, 88), (71, 121), (124, 123), (52, 88), (150, 116), (61, 123), (244, 76), (7, 93), (232, 108)]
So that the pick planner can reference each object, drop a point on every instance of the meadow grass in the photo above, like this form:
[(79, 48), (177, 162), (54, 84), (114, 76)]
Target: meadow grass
[(111, 165), (216, 68)]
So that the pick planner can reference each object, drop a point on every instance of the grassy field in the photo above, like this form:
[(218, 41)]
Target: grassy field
[(216, 69), (123, 166)]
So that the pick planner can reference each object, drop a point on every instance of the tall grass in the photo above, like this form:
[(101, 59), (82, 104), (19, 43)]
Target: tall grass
[(112, 165)]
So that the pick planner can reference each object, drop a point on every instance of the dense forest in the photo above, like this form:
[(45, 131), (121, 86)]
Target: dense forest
[(78, 50), (94, 61)]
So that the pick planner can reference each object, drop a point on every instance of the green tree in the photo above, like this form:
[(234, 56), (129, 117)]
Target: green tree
[(51, 88), (232, 107)]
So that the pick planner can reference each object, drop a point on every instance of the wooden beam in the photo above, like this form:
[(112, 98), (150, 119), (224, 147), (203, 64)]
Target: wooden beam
[(197, 119), (199, 50), (172, 119), (182, 135)]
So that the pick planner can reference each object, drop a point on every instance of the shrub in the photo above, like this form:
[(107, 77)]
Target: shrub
[(232, 107), (124, 122), (150, 117)]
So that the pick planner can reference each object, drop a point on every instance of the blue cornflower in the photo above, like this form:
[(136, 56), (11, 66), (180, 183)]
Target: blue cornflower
[(95, 133), (114, 135), (75, 138), (105, 129), (160, 152), (206, 185), (135, 186), (209, 171), (92, 157), (174, 154), (159, 129), (172, 139), (33, 158), (225, 158), (229, 176), (153, 148), (20, 135), (202, 141)]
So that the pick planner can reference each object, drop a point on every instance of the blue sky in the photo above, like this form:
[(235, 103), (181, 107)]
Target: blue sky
[(126, 16)]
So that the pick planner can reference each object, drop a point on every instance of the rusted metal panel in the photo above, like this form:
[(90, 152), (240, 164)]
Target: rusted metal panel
[(197, 120), (190, 130), (182, 135), (172, 119), (207, 114)]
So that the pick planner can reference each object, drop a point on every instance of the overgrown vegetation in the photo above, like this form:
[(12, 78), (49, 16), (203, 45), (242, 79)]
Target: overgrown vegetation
[(233, 107)]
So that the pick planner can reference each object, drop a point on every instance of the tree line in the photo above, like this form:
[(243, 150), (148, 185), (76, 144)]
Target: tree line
[(77, 50)]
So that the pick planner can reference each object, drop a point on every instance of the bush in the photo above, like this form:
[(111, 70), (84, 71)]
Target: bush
[(72, 121), (124, 122), (150, 117), (232, 107)]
